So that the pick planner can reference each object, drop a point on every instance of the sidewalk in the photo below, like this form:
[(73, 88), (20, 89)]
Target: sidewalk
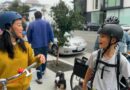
[(49, 77)]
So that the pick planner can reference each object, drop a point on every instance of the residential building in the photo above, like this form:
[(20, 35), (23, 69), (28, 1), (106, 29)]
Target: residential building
[(98, 10), (80, 6)]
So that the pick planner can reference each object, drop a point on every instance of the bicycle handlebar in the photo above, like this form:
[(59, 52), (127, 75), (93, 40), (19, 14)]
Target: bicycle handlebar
[(3, 81), (25, 71)]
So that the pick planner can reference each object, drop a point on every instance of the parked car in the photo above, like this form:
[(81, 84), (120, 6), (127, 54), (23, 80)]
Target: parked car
[(125, 27), (92, 27), (75, 45)]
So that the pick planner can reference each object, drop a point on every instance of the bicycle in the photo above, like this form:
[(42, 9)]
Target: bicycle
[(78, 74), (4, 81)]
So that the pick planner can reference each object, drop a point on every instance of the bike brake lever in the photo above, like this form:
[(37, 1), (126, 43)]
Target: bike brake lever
[(27, 73), (27, 69)]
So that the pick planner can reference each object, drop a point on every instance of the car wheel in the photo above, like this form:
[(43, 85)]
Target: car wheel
[(54, 50)]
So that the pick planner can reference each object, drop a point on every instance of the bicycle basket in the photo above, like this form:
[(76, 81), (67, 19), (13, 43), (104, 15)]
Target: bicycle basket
[(80, 68)]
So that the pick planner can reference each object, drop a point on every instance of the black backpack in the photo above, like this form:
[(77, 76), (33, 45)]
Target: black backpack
[(117, 65)]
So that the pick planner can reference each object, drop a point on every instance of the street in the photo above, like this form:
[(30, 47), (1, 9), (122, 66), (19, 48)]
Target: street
[(89, 36)]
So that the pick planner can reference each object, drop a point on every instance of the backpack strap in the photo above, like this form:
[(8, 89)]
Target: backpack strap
[(95, 68), (106, 65), (117, 65), (118, 70)]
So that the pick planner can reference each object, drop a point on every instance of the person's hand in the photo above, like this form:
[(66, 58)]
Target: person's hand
[(128, 52), (41, 58), (84, 87)]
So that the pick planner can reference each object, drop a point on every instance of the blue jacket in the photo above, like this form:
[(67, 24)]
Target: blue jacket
[(124, 45), (40, 33)]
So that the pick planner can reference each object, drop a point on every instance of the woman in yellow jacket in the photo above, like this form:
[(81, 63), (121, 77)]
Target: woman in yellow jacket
[(14, 52)]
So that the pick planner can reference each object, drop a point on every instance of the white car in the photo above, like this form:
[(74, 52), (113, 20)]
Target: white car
[(125, 27), (75, 45)]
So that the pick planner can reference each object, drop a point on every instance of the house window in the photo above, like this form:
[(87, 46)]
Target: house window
[(95, 4), (124, 15), (112, 3), (95, 17)]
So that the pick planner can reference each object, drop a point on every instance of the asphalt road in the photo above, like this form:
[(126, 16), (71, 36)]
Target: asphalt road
[(89, 36)]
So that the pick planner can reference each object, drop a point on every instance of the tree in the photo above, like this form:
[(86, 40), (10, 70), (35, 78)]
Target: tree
[(65, 20), (22, 9)]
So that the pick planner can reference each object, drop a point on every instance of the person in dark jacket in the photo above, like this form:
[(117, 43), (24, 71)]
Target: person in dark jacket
[(39, 35)]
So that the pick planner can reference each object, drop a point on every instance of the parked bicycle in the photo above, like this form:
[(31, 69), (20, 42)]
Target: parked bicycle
[(4, 81)]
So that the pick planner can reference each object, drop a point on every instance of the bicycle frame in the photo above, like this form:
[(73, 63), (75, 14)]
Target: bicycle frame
[(4, 81)]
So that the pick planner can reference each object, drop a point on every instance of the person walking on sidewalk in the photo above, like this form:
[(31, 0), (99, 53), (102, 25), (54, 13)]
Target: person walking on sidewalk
[(40, 34), (107, 63), (25, 25), (14, 52)]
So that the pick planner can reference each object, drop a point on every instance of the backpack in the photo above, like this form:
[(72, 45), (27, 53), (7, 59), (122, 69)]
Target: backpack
[(117, 65)]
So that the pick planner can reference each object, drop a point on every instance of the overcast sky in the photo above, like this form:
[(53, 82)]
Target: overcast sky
[(45, 1)]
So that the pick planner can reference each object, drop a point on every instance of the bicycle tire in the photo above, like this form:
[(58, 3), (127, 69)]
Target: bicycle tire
[(73, 82)]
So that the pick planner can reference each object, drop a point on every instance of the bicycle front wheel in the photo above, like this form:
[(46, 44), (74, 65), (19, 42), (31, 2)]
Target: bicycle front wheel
[(75, 82)]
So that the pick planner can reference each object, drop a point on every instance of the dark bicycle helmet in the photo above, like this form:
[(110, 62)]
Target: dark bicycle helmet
[(113, 30), (7, 18), (111, 20)]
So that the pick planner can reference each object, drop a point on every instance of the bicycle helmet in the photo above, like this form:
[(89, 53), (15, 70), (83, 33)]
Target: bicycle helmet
[(7, 18), (113, 30), (111, 20)]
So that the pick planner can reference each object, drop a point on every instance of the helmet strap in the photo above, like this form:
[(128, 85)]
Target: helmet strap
[(109, 45)]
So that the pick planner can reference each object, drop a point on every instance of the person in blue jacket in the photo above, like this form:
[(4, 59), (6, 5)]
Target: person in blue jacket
[(39, 35), (124, 44)]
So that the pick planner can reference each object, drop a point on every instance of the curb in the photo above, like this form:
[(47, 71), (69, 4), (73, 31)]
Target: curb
[(51, 57)]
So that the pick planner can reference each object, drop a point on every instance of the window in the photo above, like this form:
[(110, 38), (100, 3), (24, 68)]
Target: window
[(95, 4), (124, 15), (95, 17), (112, 3)]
